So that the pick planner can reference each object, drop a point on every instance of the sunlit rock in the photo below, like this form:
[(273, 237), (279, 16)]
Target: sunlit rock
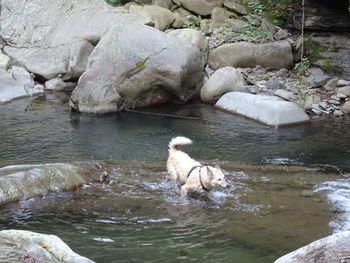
[(267, 109), (334, 248), (140, 69)]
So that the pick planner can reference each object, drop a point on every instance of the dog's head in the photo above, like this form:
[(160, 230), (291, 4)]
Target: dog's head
[(217, 178)]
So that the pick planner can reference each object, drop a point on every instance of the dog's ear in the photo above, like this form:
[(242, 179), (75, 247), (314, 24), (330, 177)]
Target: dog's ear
[(217, 166), (210, 173)]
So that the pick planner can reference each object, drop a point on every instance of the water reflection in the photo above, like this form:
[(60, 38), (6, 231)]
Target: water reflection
[(45, 130)]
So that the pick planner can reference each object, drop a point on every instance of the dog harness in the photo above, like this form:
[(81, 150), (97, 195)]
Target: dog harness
[(193, 168), (200, 176)]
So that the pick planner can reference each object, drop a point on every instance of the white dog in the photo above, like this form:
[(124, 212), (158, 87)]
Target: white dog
[(194, 176)]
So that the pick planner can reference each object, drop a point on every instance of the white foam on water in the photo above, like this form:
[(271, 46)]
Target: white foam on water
[(159, 220), (105, 221), (281, 160), (338, 194), (105, 240)]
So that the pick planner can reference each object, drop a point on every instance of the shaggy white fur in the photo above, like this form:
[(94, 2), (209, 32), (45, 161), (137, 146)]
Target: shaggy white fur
[(194, 176)]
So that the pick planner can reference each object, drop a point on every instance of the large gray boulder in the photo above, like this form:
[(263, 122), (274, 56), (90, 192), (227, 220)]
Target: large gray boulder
[(27, 181), (334, 248), (223, 80), (56, 37), (139, 69), (27, 246), (274, 55), (16, 84), (263, 108)]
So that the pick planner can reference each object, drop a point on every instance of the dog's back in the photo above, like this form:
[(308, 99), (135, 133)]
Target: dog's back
[(179, 163)]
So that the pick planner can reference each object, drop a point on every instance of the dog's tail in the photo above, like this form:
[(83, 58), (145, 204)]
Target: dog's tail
[(177, 141)]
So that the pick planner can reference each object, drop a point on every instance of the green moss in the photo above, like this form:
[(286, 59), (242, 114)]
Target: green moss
[(140, 66), (278, 12), (314, 50)]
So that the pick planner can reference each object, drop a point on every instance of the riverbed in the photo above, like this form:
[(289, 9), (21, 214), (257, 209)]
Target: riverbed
[(289, 186)]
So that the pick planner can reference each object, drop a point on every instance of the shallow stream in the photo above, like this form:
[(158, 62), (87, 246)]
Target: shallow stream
[(289, 186)]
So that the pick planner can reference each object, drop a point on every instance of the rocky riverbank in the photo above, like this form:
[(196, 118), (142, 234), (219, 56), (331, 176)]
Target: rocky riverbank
[(115, 58)]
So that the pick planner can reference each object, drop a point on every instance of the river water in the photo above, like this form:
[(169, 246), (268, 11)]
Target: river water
[(289, 186)]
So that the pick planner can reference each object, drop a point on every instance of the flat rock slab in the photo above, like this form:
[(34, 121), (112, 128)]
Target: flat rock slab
[(334, 248), (267, 109), (27, 246), (26, 181)]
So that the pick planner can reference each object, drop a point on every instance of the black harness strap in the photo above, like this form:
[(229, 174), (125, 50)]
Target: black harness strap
[(192, 169), (200, 176), (200, 180)]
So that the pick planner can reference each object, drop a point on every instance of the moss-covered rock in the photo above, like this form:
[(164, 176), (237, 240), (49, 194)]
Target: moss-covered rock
[(27, 181)]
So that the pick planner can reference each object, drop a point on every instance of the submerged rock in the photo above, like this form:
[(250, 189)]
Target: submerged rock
[(334, 248), (27, 181), (267, 109), (27, 246), (144, 68)]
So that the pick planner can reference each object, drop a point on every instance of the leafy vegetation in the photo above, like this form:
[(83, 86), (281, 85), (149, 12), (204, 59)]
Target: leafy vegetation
[(314, 50), (255, 7), (301, 68), (276, 12), (251, 32), (201, 24), (194, 24)]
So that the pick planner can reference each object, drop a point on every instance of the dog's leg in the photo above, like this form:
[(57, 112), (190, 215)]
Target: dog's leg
[(173, 174), (184, 190)]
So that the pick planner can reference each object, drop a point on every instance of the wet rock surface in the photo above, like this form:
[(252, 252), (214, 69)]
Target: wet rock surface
[(334, 248), (25, 246), (27, 181)]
